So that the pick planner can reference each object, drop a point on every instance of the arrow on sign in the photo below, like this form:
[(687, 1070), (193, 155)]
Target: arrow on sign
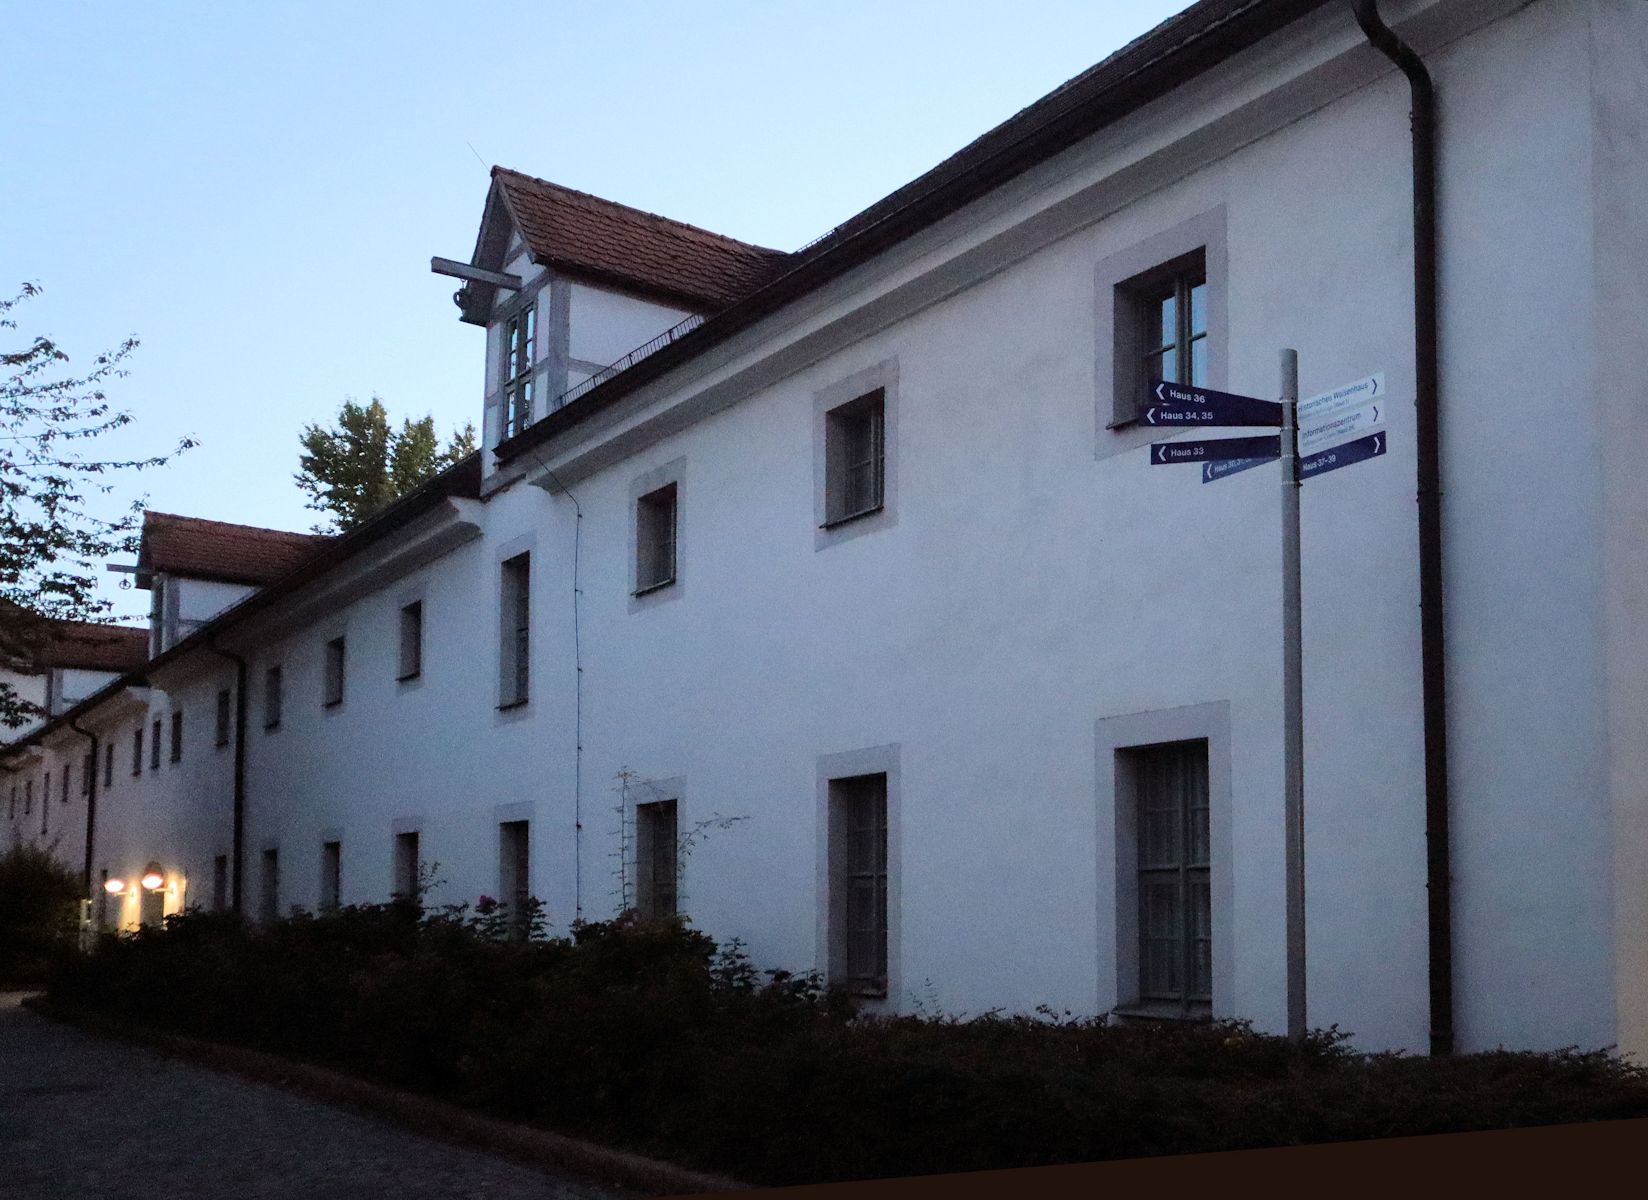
[(1220, 449), (1177, 404), (1360, 450)]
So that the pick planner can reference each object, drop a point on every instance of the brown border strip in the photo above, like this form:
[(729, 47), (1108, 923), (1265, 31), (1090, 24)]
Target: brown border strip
[(419, 1114)]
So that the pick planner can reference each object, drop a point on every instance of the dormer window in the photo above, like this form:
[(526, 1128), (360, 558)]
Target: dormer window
[(520, 336)]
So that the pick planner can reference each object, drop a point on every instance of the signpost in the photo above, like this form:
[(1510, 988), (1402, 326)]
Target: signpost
[(1166, 454), (1185, 406), (1335, 429)]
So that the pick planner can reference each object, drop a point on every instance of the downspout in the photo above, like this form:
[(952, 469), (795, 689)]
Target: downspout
[(91, 806), (239, 834), (1438, 881)]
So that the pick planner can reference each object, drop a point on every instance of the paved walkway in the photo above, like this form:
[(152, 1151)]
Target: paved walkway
[(83, 1118)]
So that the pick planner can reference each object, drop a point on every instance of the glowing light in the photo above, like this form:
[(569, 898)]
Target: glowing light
[(114, 886), (153, 877)]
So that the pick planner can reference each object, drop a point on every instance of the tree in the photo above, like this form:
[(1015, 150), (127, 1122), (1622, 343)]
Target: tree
[(52, 542), (361, 465)]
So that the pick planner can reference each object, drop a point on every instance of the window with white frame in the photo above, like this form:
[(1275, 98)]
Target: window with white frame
[(655, 517), (859, 891), (1163, 330), (657, 859), (1175, 919), (515, 633), (333, 679), (519, 350), (855, 448), (411, 641)]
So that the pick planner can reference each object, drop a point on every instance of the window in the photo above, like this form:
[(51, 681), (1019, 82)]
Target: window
[(1174, 894), (28, 796), (515, 652), (656, 859), (154, 745), (271, 698), (855, 458), (406, 866), (269, 900), (45, 805), (1161, 311), (223, 717), (108, 765), (1173, 311), (655, 539), (334, 672), (411, 662), (520, 337), (137, 751), (63, 798), (88, 772), (331, 875), (220, 883), (12, 813), (514, 869), (177, 736), (859, 903)]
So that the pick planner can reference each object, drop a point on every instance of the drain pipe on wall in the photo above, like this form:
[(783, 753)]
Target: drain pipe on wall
[(238, 852), (91, 807), (1438, 881)]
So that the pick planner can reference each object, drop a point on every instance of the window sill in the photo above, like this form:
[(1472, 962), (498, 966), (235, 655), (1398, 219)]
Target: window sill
[(1125, 423), (333, 704), (271, 728), (409, 678), (837, 522), (650, 588), (512, 705), (1163, 1010)]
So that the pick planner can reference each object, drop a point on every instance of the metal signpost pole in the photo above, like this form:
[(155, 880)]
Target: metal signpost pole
[(1293, 735)]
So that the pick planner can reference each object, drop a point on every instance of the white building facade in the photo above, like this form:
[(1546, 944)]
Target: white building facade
[(854, 621)]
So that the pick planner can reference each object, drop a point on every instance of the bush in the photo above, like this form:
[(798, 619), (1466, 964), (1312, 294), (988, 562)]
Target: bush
[(39, 913), (650, 1036)]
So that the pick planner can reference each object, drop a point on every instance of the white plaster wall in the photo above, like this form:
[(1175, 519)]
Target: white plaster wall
[(1034, 581), (606, 324), (29, 688)]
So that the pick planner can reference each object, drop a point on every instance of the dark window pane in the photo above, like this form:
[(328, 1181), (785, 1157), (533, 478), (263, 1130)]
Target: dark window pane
[(1168, 327)]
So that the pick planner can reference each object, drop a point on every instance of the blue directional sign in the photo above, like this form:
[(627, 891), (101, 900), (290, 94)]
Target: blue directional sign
[(1360, 450), (1212, 472), (1184, 406), (1219, 449)]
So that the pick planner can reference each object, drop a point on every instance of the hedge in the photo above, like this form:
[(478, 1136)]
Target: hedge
[(650, 1037)]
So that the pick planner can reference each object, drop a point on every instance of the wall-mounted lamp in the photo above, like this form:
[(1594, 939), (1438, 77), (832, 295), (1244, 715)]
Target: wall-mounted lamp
[(114, 886), (153, 877)]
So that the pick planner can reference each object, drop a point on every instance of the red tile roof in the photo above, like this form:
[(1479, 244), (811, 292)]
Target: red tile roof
[(202, 549), (116, 648), (579, 232)]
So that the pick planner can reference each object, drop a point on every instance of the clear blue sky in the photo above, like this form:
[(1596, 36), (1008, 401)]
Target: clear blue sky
[(255, 190)]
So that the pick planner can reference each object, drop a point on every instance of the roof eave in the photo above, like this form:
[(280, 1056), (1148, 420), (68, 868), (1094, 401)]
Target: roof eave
[(1173, 54)]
